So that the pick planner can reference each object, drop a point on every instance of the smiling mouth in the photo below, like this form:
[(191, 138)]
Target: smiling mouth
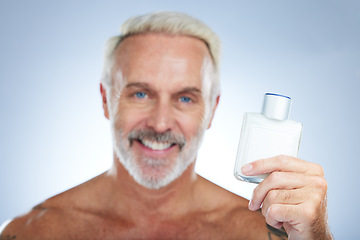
[(156, 141), (155, 145)]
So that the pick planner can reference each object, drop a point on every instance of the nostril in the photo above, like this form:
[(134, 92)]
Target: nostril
[(161, 119)]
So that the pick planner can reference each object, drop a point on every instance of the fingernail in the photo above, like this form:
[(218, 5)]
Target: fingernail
[(251, 205), (267, 212), (246, 168)]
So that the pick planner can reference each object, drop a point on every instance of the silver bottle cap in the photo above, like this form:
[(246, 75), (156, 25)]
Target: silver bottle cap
[(276, 106)]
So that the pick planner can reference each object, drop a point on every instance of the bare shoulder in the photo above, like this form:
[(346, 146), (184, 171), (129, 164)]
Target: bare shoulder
[(29, 226), (239, 221), (5, 231), (53, 218), (222, 199)]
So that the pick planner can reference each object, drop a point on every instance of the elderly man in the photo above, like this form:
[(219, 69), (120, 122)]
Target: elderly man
[(160, 90)]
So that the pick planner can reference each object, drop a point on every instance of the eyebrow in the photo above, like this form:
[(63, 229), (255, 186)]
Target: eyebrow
[(190, 89), (145, 85), (137, 84)]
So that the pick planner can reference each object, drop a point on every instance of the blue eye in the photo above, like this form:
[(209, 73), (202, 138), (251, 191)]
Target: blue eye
[(185, 99), (140, 95)]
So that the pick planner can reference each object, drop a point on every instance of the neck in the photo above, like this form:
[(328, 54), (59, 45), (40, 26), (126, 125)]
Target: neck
[(177, 198)]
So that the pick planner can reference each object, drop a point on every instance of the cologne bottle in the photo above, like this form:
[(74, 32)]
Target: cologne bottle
[(267, 134)]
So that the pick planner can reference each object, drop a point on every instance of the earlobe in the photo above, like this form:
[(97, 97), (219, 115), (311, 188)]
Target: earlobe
[(213, 110), (104, 101)]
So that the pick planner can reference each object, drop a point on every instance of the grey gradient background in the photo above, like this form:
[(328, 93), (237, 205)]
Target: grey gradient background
[(53, 134)]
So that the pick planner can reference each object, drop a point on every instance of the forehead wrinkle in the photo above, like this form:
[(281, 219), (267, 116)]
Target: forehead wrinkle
[(125, 51), (138, 44), (180, 64)]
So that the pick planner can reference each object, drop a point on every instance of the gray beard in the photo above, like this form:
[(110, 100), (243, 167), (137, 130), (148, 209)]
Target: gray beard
[(170, 170)]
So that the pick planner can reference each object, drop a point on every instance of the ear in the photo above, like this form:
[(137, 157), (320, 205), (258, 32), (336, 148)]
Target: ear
[(213, 110), (104, 101)]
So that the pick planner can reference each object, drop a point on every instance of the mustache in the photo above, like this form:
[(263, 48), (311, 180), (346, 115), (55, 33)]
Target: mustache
[(168, 136)]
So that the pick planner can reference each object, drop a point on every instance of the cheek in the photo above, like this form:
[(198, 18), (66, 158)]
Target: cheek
[(127, 118), (192, 124)]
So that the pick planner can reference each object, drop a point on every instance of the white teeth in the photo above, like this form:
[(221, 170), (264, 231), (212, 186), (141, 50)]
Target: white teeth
[(154, 145)]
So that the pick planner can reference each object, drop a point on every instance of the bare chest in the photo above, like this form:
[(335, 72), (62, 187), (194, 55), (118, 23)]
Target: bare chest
[(190, 228), (153, 231)]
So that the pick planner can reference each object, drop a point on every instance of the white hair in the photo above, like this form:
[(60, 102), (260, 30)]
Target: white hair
[(173, 23)]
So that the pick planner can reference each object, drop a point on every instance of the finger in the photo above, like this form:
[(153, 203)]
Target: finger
[(277, 214), (282, 163), (278, 180), (289, 197)]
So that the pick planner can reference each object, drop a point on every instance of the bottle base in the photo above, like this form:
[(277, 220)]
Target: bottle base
[(248, 179)]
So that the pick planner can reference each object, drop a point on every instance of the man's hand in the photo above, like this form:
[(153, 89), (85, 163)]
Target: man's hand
[(293, 196)]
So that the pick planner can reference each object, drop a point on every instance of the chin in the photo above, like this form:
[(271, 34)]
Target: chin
[(148, 172), (155, 173), (154, 176)]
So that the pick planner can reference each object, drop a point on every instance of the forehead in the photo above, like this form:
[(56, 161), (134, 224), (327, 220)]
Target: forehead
[(155, 54)]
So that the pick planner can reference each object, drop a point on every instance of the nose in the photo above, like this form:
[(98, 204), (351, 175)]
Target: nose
[(161, 118)]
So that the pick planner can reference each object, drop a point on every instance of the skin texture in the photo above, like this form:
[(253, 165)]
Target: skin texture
[(293, 196), (115, 206)]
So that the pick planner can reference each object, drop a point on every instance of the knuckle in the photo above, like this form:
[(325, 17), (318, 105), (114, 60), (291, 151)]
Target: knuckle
[(317, 198), (318, 169), (256, 191), (260, 163), (320, 183), (310, 214), (286, 197), (283, 159), (273, 195), (275, 177), (272, 211), (323, 184)]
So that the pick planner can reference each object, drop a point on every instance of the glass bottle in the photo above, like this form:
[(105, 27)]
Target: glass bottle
[(267, 134)]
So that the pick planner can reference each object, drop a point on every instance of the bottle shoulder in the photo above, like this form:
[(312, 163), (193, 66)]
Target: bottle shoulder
[(258, 119)]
